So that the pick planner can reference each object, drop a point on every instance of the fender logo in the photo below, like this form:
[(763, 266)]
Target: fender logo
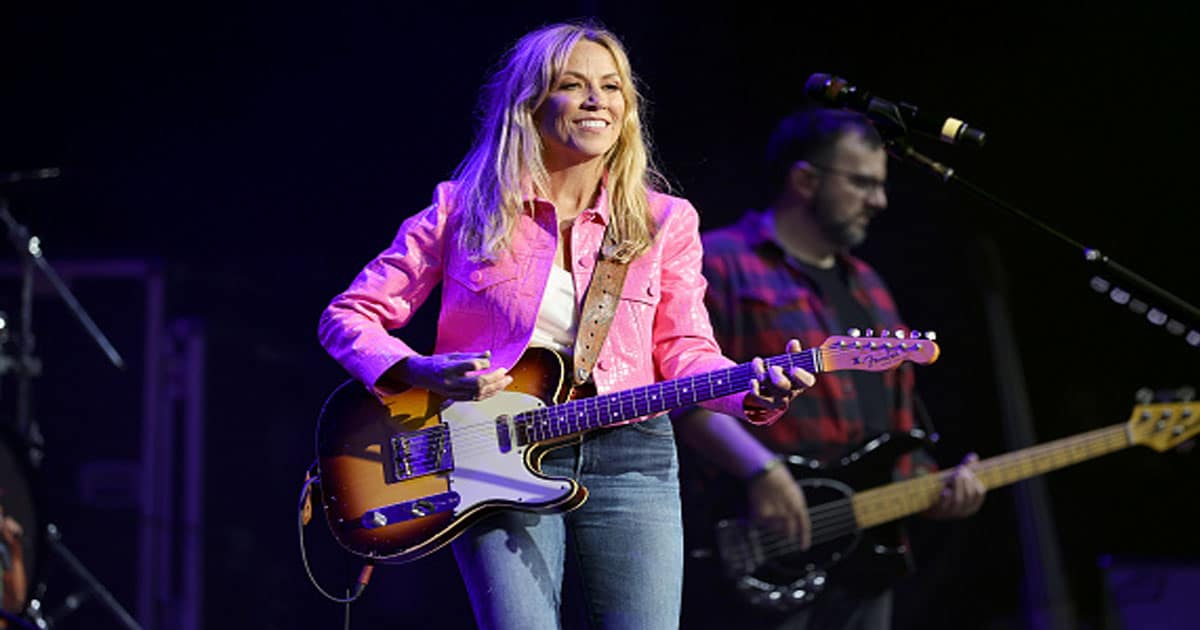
[(878, 358)]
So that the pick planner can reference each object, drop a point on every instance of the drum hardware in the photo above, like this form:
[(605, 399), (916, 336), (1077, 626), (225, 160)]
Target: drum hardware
[(25, 458)]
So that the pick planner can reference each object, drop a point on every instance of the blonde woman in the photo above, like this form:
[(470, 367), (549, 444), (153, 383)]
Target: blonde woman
[(559, 174)]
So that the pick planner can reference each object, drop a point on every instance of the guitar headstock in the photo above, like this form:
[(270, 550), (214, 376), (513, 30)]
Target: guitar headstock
[(878, 354), (1164, 425)]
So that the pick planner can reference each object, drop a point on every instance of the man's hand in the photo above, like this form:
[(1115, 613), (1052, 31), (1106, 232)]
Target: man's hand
[(963, 493), (776, 501)]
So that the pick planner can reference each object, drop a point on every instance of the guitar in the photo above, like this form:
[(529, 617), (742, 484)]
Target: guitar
[(769, 570), (402, 477)]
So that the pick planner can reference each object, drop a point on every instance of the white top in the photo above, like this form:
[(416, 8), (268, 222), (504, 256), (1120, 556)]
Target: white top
[(557, 322)]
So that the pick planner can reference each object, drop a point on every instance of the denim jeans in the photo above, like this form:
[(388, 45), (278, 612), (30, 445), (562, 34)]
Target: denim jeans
[(627, 540)]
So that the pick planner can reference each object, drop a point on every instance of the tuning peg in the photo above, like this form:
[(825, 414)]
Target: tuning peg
[(854, 332), (870, 332), (885, 333), (1144, 396), (1187, 393), (931, 335)]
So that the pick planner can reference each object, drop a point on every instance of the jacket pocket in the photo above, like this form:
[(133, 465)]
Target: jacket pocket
[(479, 277), (641, 286)]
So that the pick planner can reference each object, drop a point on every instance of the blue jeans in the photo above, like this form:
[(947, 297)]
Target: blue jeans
[(627, 540)]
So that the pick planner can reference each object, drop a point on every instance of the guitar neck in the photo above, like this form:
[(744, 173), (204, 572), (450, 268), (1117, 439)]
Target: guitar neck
[(586, 414), (904, 498)]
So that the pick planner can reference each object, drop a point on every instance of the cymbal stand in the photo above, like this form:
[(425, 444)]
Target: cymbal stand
[(27, 366)]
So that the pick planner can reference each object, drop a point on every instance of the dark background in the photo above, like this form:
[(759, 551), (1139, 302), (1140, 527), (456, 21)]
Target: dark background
[(263, 152)]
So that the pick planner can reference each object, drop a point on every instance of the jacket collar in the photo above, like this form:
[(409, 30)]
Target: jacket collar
[(599, 211)]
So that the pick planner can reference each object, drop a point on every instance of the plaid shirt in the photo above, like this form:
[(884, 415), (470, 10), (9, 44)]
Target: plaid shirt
[(758, 299)]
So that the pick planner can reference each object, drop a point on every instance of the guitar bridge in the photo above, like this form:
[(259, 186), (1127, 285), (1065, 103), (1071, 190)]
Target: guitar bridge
[(409, 510), (423, 452)]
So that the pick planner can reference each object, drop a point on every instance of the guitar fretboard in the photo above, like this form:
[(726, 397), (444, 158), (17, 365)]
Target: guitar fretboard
[(888, 503), (586, 414)]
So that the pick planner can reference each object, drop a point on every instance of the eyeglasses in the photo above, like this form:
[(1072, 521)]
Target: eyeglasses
[(865, 183)]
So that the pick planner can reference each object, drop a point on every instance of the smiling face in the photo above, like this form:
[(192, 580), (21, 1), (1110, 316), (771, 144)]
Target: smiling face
[(581, 118)]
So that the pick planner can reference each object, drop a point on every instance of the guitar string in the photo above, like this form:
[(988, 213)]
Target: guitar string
[(473, 439), (1117, 439), (926, 489), (468, 438)]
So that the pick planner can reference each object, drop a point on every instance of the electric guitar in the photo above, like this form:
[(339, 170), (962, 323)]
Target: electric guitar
[(855, 535), (402, 477)]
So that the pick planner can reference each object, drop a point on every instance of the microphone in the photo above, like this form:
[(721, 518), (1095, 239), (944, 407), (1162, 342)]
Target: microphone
[(838, 92)]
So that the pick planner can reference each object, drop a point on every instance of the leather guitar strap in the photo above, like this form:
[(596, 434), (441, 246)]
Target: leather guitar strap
[(599, 307)]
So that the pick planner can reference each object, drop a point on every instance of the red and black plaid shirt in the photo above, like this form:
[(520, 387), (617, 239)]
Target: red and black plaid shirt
[(758, 299)]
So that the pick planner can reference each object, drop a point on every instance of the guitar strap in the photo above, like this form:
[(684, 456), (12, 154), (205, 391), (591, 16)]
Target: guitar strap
[(599, 307)]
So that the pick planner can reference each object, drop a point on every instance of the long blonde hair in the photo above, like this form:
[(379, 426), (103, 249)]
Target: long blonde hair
[(508, 147)]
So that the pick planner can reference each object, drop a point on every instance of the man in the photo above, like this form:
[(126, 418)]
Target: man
[(786, 272)]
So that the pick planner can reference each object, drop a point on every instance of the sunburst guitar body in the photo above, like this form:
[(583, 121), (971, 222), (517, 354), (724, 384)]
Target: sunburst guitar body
[(403, 476)]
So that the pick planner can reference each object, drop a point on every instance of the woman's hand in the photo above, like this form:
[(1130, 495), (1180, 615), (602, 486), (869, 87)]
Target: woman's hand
[(773, 388), (455, 375)]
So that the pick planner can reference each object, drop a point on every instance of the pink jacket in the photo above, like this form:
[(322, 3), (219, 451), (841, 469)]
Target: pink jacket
[(661, 329)]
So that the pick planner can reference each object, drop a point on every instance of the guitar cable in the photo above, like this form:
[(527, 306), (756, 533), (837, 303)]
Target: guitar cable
[(364, 576)]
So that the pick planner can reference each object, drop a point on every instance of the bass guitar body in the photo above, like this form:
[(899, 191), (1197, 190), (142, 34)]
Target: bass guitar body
[(771, 572)]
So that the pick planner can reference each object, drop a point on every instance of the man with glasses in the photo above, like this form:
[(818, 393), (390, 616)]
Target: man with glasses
[(786, 272)]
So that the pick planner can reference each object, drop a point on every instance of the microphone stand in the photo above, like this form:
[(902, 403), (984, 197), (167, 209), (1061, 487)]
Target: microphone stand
[(891, 126), (1046, 602), (27, 366)]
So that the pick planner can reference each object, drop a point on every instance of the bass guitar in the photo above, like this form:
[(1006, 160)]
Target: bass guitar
[(402, 477), (858, 528)]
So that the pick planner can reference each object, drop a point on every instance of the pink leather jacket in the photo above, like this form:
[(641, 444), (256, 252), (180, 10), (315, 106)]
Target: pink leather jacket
[(661, 329)]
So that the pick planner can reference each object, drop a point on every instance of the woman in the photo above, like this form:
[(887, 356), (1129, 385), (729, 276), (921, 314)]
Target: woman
[(558, 173)]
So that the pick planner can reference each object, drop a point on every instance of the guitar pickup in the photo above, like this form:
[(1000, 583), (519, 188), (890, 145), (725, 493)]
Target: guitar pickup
[(423, 452)]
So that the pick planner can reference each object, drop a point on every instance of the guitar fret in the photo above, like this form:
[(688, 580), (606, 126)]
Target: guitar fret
[(903, 498), (584, 414)]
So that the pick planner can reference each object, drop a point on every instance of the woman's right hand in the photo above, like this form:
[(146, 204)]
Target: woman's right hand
[(455, 375)]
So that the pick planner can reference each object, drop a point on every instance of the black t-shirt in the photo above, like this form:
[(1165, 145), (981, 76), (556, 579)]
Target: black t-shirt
[(831, 284)]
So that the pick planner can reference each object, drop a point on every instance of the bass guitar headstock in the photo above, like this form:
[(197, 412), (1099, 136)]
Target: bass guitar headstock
[(1165, 420)]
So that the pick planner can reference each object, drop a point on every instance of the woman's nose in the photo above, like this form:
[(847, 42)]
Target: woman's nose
[(592, 99)]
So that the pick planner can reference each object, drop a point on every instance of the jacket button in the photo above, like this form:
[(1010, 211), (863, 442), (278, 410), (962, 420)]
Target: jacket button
[(476, 276), (651, 291), (585, 262), (601, 365)]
